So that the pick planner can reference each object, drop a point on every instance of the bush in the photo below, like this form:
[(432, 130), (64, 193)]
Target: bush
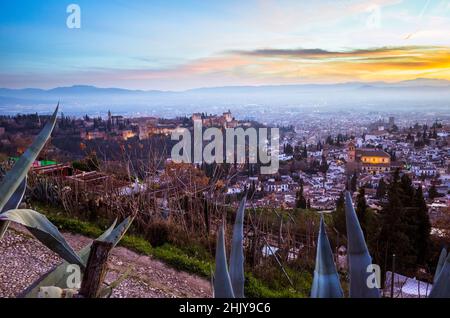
[(158, 233)]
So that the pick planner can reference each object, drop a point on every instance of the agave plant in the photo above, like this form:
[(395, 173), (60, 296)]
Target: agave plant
[(14, 183), (326, 279), (13, 187), (58, 276), (230, 283), (358, 255), (441, 282)]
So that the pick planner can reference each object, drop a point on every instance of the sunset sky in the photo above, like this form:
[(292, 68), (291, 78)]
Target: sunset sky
[(182, 44)]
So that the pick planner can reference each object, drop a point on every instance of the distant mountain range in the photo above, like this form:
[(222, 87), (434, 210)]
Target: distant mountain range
[(82, 98), (421, 83)]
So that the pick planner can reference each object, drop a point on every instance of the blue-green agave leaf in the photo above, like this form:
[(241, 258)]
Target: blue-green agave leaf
[(222, 281), (15, 200), (107, 291), (441, 288), (358, 255), (440, 264), (15, 176), (326, 279), (44, 231), (116, 235), (59, 275), (237, 252), (13, 203)]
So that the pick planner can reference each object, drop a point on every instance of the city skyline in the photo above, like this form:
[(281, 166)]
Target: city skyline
[(180, 45)]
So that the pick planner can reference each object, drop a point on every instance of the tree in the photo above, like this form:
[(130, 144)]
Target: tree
[(354, 182), (381, 190), (300, 201), (407, 190), (330, 140), (393, 236), (319, 146), (305, 153), (324, 165), (435, 135), (361, 209), (432, 192), (423, 226), (289, 150), (339, 215)]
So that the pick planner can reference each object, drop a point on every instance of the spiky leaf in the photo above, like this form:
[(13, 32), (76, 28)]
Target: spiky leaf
[(440, 264), (59, 275), (15, 176), (358, 255), (441, 288), (237, 252), (222, 281), (44, 231), (326, 279), (14, 202), (116, 235), (107, 291)]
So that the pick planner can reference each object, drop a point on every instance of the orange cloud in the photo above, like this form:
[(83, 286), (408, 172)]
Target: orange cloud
[(275, 66), (385, 63)]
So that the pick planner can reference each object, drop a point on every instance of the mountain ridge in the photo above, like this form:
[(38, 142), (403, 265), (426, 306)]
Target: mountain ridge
[(86, 89)]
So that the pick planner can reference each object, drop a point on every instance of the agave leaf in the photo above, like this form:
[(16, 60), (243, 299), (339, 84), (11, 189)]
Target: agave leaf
[(116, 235), (326, 279), (44, 231), (107, 291), (14, 202), (358, 255), (441, 288), (222, 281), (237, 252), (440, 264), (15, 176), (59, 275)]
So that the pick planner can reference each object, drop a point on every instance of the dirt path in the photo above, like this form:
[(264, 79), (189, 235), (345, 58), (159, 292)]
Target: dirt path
[(24, 259)]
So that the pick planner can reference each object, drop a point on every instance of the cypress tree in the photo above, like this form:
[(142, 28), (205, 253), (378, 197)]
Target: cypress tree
[(423, 226), (339, 215), (393, 237), (381, 190), (361, 210), (432, 192), (354, 182), (300, 201), (407, 190)]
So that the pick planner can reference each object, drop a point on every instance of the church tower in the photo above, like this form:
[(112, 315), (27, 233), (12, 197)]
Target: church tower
[(351, 152)]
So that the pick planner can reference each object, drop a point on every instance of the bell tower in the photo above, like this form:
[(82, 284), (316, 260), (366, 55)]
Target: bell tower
[(351, 152)]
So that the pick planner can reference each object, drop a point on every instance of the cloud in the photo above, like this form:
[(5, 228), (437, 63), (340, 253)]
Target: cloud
[(320, 53), (270, 66)]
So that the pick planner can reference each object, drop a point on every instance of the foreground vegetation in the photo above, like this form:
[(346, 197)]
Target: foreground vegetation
[(193, 259)]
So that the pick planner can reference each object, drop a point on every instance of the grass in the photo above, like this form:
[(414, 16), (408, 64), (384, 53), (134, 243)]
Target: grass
[(179, 258)]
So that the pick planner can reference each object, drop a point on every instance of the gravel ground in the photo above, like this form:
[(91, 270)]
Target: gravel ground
[(24, 259)]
